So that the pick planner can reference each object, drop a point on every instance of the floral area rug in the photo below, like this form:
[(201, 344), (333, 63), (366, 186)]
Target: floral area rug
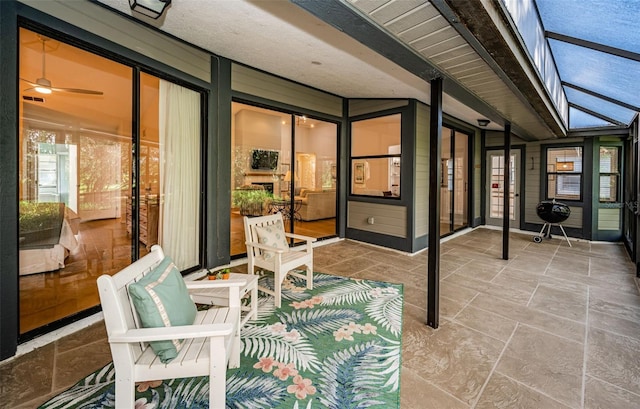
[(336, 346)]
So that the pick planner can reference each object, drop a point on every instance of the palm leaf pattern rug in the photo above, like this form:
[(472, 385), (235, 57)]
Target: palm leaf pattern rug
[(336, 346)]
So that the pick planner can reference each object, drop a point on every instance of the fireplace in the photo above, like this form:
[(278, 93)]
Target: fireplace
[(268, 186)]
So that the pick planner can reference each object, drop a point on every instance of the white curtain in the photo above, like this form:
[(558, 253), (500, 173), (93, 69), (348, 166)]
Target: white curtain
[(179, 130)]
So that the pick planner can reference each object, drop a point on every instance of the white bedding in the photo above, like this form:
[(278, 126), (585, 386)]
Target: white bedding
[(48, 259)]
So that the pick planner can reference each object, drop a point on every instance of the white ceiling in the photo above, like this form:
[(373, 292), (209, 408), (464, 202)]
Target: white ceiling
[(280, 38)]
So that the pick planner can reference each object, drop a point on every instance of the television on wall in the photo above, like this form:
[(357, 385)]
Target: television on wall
[(264, 160)]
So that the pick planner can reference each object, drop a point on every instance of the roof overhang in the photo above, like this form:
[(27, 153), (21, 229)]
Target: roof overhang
[(470, 43)]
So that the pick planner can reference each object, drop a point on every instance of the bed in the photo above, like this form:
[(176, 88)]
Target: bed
[(47, 235)]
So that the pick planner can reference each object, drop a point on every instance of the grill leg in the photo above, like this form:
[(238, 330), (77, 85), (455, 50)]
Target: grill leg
[(565, 235), (544, 226)]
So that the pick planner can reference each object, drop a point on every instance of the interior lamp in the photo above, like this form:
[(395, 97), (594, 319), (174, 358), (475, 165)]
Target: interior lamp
[(287, 177), (150, 8)]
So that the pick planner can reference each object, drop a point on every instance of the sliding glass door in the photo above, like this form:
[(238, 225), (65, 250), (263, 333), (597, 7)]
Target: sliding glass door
[(281, 162), (94, 195), (454, 196)]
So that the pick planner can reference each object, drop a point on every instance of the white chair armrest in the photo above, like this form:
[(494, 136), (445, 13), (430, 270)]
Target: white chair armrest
[(300, 237), (206, 284), (169, 333)]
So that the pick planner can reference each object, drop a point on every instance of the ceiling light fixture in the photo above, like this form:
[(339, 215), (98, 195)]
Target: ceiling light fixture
[(483, 122), (150, 8), (566, 166), (43, 86)]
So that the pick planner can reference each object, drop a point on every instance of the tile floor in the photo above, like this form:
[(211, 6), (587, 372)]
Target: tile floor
[(553, 327)]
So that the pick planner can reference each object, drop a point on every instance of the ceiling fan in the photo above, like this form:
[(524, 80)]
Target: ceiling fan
[(43, 85)]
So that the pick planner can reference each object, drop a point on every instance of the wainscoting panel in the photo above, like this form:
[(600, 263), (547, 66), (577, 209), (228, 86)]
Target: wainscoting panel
[(377, 218)]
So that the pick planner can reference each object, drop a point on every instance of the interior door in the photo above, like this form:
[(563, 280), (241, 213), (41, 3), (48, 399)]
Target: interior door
[(495, 188)]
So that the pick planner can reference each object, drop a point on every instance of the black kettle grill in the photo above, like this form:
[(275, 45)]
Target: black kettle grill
[(553, 213)]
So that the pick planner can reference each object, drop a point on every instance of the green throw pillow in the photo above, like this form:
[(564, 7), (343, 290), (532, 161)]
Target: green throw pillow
[(161, 299), (272, 236)]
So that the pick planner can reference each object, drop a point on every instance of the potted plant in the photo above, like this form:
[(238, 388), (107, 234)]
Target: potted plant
[(251, 202), (218, 275), (224, 274)]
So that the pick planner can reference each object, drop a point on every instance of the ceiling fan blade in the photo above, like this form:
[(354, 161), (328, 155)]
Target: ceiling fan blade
[(43, 83), (77, 91), (33, 84), (57, 89)]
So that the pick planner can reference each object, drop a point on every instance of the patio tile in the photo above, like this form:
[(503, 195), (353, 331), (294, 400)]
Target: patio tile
[(538, 319), (513, 294), (415, 393), (454, 358), (567, 304), (488, 323), (602, 395), (545, 362), (614, 359), (505, 393)]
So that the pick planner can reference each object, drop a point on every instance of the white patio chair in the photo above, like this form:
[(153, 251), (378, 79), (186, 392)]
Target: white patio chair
[(210, 344), (268, 248)]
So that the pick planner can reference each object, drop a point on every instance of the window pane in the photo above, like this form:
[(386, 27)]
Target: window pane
[(564, 173), (565, 159), (585, 15), (608, 160), (376, 177), (600, 105), (496, 200), (376, 136), (607, 74), (608, 188), (379, 176), (568, 187), (580, 119)]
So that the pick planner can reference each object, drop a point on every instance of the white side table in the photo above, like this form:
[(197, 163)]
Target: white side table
[(218, 296)]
